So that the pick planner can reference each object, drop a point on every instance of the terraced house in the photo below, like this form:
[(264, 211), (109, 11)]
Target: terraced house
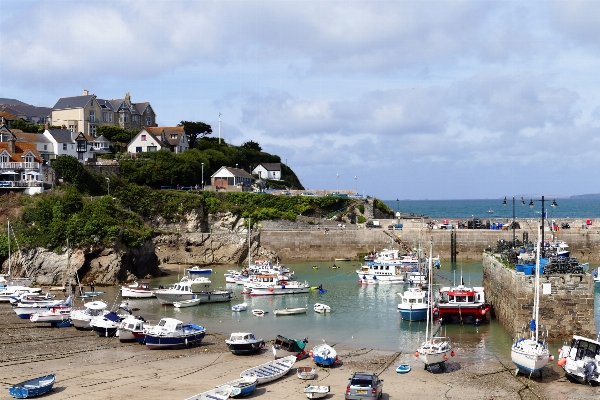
[(87, 112)]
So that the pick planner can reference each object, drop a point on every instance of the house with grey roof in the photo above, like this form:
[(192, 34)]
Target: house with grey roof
[(87, 112), (65, 142), (268, 171), (31, 114)]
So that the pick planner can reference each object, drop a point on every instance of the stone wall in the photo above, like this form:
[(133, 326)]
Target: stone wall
[(568, 309)]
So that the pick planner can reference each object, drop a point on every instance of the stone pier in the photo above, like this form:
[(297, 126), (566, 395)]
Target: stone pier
[(566, 306)]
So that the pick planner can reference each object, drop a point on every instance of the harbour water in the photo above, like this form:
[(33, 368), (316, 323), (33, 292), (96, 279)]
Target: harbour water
[(361, 317), (567, 208)]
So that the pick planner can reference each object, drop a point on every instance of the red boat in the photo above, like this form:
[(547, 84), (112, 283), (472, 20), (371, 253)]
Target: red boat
[(462, 304)]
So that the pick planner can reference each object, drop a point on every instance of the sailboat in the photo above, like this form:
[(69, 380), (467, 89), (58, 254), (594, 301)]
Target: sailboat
[(435, 349), (13, 287), (531, 354)]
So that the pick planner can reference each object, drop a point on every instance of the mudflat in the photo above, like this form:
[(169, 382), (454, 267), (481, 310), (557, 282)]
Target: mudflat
[(104, 368)]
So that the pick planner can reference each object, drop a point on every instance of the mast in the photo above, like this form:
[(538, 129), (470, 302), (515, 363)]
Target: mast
[(536, 301), (8, 237), (429, 294), (249, 239)]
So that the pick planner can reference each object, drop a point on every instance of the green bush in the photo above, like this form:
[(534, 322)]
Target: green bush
[(361, 219), (361, 208)]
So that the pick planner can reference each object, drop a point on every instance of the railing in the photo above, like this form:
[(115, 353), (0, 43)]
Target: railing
[(20, 184), (20, 165)]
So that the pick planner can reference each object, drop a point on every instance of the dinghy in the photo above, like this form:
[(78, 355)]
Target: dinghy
[(33, 387), (242, 386), (324, 355), (219, 393), (239, 307), (258, 313), (272, 370), (403, 368), (290, 311), (186, 303), (306, 372), (322, 308), (316, 392)]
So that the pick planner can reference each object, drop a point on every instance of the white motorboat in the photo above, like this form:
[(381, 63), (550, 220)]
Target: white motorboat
[(321, 308), (581, 360), (531, 354), (244, 343), (131, 329), (25, 310), (183, 291), (435, 349), (81, 318), (316, 392), (187, 303), (106, 324), (196, 270), (290, 287), (239, 307), (137, 290), (13, 291), (53, 315), (290, 311), (271, 370)]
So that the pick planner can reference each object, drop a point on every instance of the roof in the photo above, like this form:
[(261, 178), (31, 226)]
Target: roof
[(4, 100), (72, 102), (21, 148), (30, 137), (26, 109), (8, 116), (271, 166), (66, 136), (240, 173)]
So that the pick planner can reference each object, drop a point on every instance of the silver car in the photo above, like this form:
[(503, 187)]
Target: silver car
[(364, 385)]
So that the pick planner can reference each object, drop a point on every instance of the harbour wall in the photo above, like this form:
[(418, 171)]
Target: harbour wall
[(313, 244), (567, 308)]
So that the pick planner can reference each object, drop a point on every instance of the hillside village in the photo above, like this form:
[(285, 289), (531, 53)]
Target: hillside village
[(32, 137)]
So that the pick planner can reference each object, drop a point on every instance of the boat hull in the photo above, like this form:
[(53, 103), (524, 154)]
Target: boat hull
[(162, 342), (527, 358), (246, 348), (324, 355), (205, 297), (476, 313), (270, 371), (413, 314), (278, 290), (105, 331), (33, 387), (136, 293)]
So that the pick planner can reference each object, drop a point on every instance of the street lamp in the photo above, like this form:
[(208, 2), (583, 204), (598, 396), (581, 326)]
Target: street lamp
[(531, 204), (513, 222), (202, 185), (337, 189), (108, 185), (356, 183)]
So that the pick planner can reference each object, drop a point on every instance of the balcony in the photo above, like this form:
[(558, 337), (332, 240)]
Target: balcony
[(20, 165)]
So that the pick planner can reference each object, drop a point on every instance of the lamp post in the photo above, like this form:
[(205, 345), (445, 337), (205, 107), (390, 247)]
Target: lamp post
[(356, 183), (531, 204), (513, 221), (202, 185), (337, 180), (108, 185)]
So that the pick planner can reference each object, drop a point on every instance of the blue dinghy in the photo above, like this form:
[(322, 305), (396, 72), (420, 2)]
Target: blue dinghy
[(32, 387), (403, 368)]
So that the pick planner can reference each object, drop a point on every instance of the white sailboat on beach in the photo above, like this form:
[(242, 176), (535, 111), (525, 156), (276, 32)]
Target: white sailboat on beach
[(435, 349), (531, 354)]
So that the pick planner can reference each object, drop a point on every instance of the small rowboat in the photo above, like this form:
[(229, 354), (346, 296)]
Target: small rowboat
[(322, 308), (290, 311), (306, 373), (242, 386), (32, 387), (272, 370), (219, 393), (316, 392), (403, 368), (258, 313), (186, 303)]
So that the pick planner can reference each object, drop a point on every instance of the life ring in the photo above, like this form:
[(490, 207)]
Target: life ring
[(271, 289)]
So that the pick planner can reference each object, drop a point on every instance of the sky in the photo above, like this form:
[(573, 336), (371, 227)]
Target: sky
[(394, 99)]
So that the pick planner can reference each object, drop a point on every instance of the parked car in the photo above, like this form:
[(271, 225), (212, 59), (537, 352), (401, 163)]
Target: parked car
[(311, 194), (397, 227), (364, 385), (373, 224)]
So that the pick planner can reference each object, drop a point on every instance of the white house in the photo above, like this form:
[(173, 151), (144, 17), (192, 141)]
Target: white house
[(226, 178), (65, 142), (172, 138), (268, 171)]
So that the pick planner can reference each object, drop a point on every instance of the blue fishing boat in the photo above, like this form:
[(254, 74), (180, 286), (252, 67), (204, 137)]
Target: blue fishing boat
[(403, 368), (32, 387), (324, 355), (196, 270), (171, 332)]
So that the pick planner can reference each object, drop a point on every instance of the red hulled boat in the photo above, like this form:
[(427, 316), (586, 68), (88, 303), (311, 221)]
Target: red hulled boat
[(462, 304)]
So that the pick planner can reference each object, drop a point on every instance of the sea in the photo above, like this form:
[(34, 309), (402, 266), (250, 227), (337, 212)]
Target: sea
[(448, 209), (361, 316)]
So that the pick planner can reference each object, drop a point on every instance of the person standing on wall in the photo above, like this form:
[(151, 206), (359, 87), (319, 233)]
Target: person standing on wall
[(92, 286)]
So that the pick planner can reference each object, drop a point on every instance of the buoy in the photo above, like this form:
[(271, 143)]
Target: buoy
[(559, 350), (452, 354), (416, 354), (551, 358), (271, 289), (562, 362), (445, 357)]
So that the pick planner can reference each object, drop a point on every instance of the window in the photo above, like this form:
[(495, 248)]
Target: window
[(104, 117), (45, 147), (3, 158), (144, 138), (110, 117), (72, 128), (138, 149), (64, 146), (92, 115), (93, 130), (92, 103), (148, 120), (180, 149), (134, 119), (174, 136), (151, 148)]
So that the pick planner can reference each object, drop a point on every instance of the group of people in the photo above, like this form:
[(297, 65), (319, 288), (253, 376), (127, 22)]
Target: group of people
[(81, 293)]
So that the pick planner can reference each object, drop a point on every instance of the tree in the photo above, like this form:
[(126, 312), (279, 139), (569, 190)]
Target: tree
[(116, 134), (252, 145), (193, 130)]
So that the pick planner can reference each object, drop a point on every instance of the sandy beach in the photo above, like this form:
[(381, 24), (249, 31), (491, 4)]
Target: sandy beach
[(104, 368)]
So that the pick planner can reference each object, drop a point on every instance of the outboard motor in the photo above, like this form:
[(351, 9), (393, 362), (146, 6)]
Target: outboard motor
[(590, 371)]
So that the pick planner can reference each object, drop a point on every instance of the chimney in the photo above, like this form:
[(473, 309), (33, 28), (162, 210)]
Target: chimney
[(11, 144), (85, 92)]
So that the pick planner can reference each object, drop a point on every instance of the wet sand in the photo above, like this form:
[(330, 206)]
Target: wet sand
[(104, 368)]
